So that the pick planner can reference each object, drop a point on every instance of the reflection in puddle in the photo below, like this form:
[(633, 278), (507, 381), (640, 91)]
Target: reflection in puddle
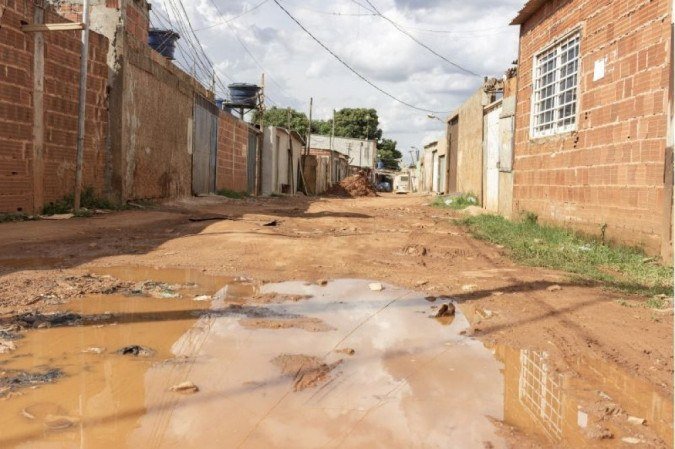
[(294, 365), (587, 409)]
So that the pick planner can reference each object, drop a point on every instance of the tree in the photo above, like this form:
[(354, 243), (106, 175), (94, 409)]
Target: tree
[(357, 123), (388, 154), (283, 117)]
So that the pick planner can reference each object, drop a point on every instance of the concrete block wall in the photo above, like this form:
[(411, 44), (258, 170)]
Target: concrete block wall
[(232, 162), (611, 170), (38, 116)]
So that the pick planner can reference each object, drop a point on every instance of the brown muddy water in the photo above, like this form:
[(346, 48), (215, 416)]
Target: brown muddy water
[(297, 365)]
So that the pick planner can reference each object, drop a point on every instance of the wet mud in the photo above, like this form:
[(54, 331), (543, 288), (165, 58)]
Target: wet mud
[(337, 365)]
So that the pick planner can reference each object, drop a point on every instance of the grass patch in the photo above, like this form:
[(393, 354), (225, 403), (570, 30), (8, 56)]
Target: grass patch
[(232, 194), (618, 267), (88, 200), (17, 216), (455, 202)]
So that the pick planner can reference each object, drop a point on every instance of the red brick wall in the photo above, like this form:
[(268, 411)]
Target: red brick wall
[(232, 153), (137, 19), (61, 72), (610, 171)]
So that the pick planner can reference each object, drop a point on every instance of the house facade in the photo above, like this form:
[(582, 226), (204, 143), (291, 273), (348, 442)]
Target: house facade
[(360, 153), (594, 102), (280, 160), (436, 166)]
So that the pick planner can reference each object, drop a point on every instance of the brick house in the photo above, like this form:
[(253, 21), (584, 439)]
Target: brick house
[(594, 107)]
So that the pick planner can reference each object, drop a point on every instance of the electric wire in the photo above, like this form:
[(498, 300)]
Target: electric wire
[(420, 43), (233, 18), (350, 68)]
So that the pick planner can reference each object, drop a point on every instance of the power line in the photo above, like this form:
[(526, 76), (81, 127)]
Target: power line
[(418, 42), (351, 69), (233, 18)]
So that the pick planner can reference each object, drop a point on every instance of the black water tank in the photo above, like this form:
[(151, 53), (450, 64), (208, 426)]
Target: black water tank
[(163, 41), (243, 94)]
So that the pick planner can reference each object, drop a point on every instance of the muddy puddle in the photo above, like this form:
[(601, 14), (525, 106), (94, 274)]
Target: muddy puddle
[(298, 365)]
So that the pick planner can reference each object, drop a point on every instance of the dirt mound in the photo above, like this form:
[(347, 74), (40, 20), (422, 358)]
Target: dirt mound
[(353, 186), (307, 371)]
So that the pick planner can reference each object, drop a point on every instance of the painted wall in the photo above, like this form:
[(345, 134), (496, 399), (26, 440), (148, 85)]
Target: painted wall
[(611, 169)]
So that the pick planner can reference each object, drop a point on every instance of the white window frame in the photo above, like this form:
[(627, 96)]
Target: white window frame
[(558, 125)]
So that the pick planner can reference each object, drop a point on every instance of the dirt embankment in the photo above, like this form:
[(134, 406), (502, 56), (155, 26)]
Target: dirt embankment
[(356, 185)]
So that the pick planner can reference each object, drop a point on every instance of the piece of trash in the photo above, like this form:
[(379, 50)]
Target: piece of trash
[(209, 218), (469, 287), (376, 287), (7, 346), (421, 283), (186, 387), (631, 440), (485, 313), (554, 288), (94, 350), (57, 216), (271, 223), (446, 310), (202, 298), (582, 419), (136, 351), (497, 293), (586, 247), (636, 421), (348, 351), (449, 201), (322, 282)]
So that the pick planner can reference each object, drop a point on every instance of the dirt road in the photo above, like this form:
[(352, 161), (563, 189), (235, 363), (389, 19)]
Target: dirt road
[(608, 354)]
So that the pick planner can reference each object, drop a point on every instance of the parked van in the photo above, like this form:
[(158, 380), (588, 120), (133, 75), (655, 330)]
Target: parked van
[(402, 184)]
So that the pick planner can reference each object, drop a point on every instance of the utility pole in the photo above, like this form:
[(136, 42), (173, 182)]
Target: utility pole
[(82, 101), (333, 170), (309, 126), (258, 153)]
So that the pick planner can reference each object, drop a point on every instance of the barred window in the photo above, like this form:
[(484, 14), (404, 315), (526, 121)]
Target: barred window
[(556, 78)]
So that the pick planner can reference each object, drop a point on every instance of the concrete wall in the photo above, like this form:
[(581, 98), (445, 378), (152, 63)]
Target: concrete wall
[(611, 169), (362, 153), (233, 136), (38, 110), (470, 144)]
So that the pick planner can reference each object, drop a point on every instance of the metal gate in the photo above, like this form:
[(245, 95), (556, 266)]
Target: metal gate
[(204, 146), (251, 161)]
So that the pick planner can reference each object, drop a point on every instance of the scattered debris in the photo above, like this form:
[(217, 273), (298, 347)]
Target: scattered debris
[(7, 346), (485, 314), (348, 351), (600, 433), (636, 421), (356, 185), (57, 216), (309, 324), (276, 298), (94, 350), (160, 290), (186, 387), (11, 380), (136, 351), (202, 298), (446, 310), (415, 250), (554, 288), (271, 223), (376, 287), (307, 371), (37, 320)]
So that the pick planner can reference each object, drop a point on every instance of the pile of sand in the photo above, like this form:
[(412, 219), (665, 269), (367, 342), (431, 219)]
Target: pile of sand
[(353, 186)]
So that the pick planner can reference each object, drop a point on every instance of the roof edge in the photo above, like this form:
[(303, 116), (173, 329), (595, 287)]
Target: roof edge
[(531, 7)]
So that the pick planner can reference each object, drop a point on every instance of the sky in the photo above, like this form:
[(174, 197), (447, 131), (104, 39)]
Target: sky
[(244, 38)]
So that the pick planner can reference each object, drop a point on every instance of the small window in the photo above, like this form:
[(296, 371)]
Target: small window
[(556, 79)]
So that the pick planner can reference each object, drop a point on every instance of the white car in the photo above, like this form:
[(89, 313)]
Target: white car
[(402, 184)]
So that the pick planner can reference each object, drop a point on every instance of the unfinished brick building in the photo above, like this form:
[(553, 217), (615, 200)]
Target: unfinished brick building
[(38, 109), (592, 120)]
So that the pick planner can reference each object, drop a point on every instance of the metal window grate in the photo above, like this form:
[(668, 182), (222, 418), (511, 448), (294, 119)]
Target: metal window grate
[(540, 392), (556, 78)]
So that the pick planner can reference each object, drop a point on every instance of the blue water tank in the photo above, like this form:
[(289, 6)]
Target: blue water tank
[(243, 94), (163, 41), (219, 103), (380, 164)]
